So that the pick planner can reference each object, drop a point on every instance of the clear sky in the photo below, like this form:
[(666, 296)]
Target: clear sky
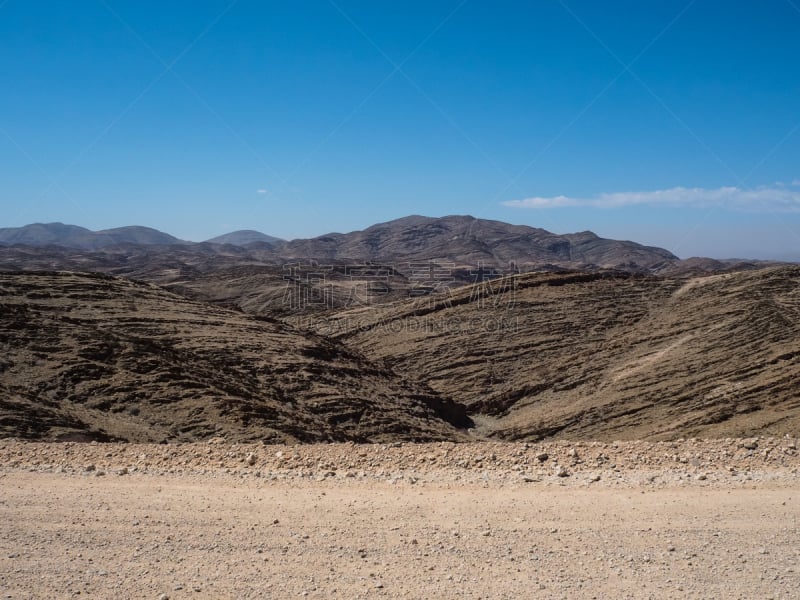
[(674, 123)]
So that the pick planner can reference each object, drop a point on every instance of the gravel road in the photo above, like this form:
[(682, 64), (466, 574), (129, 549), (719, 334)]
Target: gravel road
[(687, 519)]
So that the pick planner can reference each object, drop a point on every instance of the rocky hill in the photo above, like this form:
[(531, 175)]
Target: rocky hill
[(600, 355), (74, 237), (471, 241), (460, 240), (262, 342), (94, 357), (244, 237), (604, 355)]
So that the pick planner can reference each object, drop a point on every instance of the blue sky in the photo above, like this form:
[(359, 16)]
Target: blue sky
[(674, 123)]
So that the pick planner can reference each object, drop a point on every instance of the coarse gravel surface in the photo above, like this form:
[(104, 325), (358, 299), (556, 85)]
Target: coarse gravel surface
[(684, 519)]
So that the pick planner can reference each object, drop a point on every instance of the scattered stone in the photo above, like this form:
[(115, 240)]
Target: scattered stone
[(542, 456), (562, 472), (90, 467), (251, 459)]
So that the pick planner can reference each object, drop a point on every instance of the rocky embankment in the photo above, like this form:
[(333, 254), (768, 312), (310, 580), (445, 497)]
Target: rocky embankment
[(725, 462)]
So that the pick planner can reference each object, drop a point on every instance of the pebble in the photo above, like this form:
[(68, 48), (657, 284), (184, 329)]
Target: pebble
[(514, 463)]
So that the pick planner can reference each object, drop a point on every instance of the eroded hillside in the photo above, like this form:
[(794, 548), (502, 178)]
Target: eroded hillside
[(602, 355), (95, 357)]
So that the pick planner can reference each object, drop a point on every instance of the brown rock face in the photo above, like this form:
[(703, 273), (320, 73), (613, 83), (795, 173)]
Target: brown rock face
[(94, 357), (602, 356)]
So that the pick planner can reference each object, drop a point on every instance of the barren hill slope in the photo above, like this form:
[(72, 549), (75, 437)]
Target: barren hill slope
[(80, 238), (602, 356), (461, 240), (464, 239), (93, 357), (243, 237)]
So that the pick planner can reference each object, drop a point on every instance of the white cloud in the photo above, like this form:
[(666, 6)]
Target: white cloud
[(796, 183), (760, 199), (262, 191)]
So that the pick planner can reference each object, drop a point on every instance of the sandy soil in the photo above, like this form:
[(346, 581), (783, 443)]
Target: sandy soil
[(684, 519)]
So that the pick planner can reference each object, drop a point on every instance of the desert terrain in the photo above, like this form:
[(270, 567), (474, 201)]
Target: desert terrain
[(186, 420), (680, 519), (579, 356), (95, 357), (599, 355)]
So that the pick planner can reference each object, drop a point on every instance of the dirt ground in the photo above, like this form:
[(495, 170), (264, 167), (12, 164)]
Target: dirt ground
[(688, 519)]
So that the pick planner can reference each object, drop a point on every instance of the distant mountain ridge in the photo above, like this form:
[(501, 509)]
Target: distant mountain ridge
[(80, 238), (467, 240), (244, 237), (464, 241)]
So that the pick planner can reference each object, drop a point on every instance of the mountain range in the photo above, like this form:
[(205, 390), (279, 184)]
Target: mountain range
[(461, 241), (457, 239), (415, 329), (80, 238)]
